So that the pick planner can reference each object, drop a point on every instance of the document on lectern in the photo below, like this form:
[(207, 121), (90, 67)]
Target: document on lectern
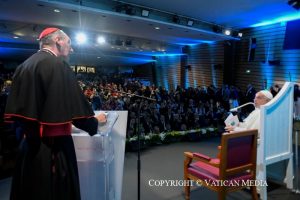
[(103, 128), (232, 120)]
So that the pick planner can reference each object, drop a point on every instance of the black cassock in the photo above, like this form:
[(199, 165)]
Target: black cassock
[(45, 92)]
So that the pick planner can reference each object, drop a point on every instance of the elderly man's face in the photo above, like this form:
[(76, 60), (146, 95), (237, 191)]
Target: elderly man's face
[(64, 45), (260, 99)]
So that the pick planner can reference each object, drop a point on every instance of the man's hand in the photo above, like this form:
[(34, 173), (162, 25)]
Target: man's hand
[(229, 128), (101, 118)]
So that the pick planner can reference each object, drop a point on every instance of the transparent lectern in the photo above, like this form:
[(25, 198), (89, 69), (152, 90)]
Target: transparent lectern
[(97, 167)]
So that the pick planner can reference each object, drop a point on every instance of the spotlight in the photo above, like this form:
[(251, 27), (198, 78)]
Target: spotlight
[(227, 32), (101, 40), (145, 13), (81, 38), (190, 22), (236, 34)]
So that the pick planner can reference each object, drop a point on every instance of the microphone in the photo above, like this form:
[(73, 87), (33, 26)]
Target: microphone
[(129, 94), (235, 109)]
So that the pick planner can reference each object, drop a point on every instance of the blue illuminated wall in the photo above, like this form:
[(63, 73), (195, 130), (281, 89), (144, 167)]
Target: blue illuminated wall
[(272, 65), (203, 60), (168, 73)]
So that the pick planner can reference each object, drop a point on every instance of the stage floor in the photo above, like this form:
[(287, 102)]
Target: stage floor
[(166, 162)]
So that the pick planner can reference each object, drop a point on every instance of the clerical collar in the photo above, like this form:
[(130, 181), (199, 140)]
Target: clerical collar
[(48, 51)]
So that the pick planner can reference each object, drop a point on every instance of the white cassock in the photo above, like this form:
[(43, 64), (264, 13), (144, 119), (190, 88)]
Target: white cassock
[(251, 122)]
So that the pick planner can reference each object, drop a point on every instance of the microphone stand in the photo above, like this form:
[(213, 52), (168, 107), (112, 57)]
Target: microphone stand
[(130, 94), (138, 135), (241, 106)]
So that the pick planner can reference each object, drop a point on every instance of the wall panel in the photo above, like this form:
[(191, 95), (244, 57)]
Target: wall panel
[(269, 47)]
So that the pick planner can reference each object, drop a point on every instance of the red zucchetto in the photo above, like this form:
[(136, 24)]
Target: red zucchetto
[(46, 32)]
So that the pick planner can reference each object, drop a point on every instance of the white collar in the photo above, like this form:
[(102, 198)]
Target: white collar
[(49, 51)]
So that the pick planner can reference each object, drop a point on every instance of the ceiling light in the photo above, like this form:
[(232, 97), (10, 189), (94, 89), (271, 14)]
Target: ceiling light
[(56, 10), (145, 13), (236, 34), (190, 22), (81, 38), (98, 57), (157, 28), (16, 37), (101, 40), (17, 33), (227, 32)]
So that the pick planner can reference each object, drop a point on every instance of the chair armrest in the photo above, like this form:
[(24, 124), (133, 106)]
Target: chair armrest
[(206, 159), (188, 154), (201, 156), (198, 156)]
